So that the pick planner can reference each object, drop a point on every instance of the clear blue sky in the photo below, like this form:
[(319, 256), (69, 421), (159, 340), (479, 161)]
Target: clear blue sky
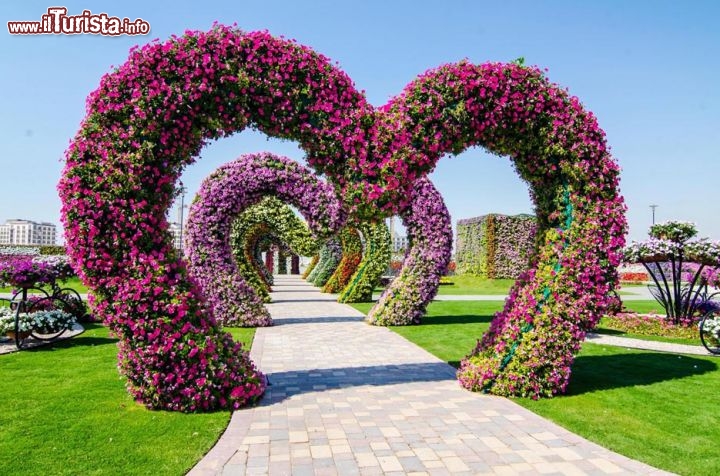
[(647, 69)]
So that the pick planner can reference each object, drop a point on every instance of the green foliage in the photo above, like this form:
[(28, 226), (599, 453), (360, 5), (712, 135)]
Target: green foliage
[(376, 257), (279, 221), (330, 256), (311, 266), (54, 250), (352, 252), (495, 246), (675, 231)]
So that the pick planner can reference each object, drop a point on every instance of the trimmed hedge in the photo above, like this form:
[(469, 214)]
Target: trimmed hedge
[(495, 246)]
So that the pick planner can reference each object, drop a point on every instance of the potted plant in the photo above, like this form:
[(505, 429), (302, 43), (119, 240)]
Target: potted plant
[(51, 321)]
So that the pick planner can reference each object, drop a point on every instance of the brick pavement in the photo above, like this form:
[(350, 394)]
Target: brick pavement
[(347, 398)]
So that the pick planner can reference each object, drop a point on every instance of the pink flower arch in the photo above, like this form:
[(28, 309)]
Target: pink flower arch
[(151, 116)]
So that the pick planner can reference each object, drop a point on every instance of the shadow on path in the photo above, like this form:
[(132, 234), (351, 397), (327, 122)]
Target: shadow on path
[(315, 320), (286, 384)]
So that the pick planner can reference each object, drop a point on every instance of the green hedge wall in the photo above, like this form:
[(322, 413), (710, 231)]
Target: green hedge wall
[(495, 246)]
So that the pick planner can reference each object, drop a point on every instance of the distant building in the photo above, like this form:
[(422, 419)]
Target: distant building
[(399, 243), (26, 232), (177, 233)]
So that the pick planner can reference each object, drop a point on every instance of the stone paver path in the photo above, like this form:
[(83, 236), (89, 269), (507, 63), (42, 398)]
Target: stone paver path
[(347, 398)]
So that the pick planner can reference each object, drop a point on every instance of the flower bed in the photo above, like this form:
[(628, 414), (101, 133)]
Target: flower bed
[(633, 277), (651, 325), (50, 321)]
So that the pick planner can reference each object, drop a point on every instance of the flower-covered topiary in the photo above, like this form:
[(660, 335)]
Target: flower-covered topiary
[(222, 197), (429, 230), (281, 222), (330, 256), (495, 246), (24, 271), (666, 256), (249, 263), (151, 116), (352, 253), (311, 266), (50, 321), (377, 249)]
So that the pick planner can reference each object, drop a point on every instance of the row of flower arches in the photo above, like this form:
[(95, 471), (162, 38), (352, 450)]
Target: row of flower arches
[(151, 116)]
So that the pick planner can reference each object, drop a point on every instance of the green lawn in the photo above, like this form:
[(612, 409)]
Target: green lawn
[(466, 284), (658, 408), (73, 283), (64, 410), (644, 307)]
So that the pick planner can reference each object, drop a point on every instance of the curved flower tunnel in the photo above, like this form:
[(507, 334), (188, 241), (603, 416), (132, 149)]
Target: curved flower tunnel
[(280, 222), (222, 198), (428, 226), (151, 116)]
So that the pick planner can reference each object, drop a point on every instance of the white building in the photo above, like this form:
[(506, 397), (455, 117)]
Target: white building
[(26, 232), (177, 233), (399, 243)]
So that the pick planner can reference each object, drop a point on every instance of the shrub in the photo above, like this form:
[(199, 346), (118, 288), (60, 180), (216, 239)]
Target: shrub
[(495, 246)]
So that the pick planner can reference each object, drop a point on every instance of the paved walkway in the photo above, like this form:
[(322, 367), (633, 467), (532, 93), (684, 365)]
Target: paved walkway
[(647, 344), (347, 398)]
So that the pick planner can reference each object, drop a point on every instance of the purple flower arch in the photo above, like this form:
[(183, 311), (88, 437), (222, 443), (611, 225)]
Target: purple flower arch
[(429, 229), (222, 197), (151, 116)]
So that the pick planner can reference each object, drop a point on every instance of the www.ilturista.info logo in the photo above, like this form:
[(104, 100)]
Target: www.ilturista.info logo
[(58, 22)]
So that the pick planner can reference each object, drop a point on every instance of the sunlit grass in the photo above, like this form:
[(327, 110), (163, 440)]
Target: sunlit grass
[(64, 410)]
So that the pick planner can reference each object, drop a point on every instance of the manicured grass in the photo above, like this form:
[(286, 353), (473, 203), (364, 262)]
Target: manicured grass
[(658, 408), (644, 307), (466, 284), (73, 283), (64, 410)]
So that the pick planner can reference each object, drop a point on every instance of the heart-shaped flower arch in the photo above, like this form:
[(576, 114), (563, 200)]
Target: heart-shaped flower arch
[(223, 196), (150, 118)]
